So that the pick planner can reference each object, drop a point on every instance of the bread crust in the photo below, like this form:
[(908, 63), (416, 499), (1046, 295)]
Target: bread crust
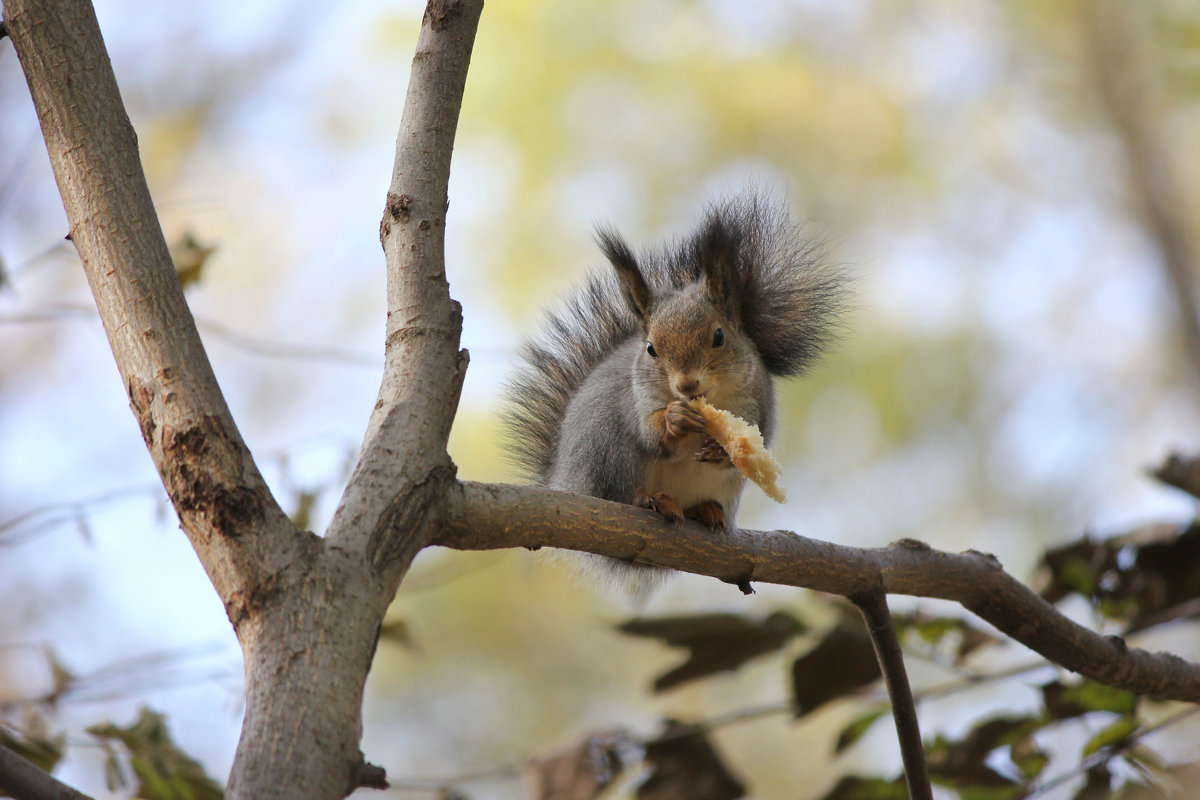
[(744, 444)]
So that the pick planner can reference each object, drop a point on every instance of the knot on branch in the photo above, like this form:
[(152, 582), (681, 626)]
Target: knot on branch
[(403, 519), (440, 13), (370, 776), (204, 472)]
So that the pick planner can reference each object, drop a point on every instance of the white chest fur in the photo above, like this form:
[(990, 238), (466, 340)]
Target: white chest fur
[(690, 482)]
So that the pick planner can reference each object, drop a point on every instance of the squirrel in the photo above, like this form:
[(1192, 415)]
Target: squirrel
[(600, 404)]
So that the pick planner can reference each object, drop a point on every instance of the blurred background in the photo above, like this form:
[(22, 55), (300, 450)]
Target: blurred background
[(1004, 180)]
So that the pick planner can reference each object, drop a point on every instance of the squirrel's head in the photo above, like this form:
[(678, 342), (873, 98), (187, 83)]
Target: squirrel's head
[(692, 334)]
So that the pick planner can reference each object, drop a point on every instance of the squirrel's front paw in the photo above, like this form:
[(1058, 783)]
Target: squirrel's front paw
[(680, 419), (713, 453)]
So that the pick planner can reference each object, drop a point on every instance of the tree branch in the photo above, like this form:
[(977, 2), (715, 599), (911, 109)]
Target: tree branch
[(874, 608), (234, 523), (24, 780), (403, 463), (479, 516)]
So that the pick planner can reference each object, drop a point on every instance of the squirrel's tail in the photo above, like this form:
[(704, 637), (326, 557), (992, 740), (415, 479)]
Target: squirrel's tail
[(789, 300), (574, 339)]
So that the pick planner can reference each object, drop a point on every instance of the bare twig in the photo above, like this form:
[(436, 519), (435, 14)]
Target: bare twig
[(874, 608), (24, 780)]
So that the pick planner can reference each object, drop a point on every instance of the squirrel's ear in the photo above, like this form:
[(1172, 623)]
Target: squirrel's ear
[(637, 293), (718, 254)]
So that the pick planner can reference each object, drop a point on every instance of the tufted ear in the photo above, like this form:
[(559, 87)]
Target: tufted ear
[(637, 293), (718, 246)]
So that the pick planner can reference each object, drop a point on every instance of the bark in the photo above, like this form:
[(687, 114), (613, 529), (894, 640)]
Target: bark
[(480, 516), (21, 779), (878, 618)]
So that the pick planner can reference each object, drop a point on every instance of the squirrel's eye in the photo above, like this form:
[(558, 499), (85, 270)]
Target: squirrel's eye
[(650, 351), (718, 338)]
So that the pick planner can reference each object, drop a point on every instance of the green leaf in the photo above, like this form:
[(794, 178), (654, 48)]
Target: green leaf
[(1028, 757), (1065, 701), (164, 771), (855, 730), (1112, 735), (43, 750), (114, 774)]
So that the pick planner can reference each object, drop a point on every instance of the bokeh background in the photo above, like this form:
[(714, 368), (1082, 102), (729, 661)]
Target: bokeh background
[(1014, 360)]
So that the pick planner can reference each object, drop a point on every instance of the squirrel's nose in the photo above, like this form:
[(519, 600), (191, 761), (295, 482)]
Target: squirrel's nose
[(687, 386)]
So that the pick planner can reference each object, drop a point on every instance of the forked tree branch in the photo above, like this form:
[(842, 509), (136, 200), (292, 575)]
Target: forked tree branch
[(403, 466), (479, 516)]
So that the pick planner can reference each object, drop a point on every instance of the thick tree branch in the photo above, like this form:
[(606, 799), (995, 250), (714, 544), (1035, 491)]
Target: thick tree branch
[(403, 464), (874, 608), (242, 536), (23, 780), (481, 516)]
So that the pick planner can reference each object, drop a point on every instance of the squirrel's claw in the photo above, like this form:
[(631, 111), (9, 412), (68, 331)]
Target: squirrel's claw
[(713, 453), (681, 419), (661, 502), (710, 514)]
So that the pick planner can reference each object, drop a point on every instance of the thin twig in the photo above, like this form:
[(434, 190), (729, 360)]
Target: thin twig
[(874, 608)]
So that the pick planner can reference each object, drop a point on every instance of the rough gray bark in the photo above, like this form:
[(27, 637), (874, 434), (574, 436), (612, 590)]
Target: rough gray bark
[(306, 609)]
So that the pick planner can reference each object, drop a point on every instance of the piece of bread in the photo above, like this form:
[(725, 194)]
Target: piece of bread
[(745, 446)]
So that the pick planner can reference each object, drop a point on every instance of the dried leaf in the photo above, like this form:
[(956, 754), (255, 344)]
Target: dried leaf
[(684, 766), (962, 763), (718, 642), (1149, 577), (1064, 701), (189, 258), (581, 772), (63, 677), (855, 730), (1098, 785), (842, 662), (399, 631), (301, 516)]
